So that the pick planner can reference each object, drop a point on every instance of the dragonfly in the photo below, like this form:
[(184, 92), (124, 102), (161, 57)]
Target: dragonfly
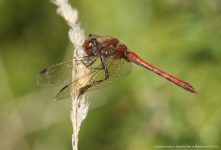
[(108, 60)]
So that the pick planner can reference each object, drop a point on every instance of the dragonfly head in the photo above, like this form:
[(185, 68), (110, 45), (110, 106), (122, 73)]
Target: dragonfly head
[(90, 46)]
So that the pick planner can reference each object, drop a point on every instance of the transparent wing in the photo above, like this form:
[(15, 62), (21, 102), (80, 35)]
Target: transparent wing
[(65, 92), (59, 74), (98, 37), (117, 70)]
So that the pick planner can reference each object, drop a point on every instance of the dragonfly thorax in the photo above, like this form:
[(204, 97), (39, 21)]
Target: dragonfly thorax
[(107, 47)]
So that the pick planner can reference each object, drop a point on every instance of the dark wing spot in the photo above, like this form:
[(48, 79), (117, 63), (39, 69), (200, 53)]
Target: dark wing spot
[(64, 88), (44, 71)]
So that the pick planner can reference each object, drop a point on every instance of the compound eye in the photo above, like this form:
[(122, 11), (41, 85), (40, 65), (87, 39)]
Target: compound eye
[(90, 43)]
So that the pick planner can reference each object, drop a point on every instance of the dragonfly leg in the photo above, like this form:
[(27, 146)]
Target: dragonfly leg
[(86, 62), (91, 63), (104, 67)]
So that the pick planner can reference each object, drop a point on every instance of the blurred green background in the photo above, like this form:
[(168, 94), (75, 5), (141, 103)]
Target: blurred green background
[(181, 37)]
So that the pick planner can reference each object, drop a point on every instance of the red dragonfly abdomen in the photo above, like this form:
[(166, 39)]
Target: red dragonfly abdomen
[(132, 57)]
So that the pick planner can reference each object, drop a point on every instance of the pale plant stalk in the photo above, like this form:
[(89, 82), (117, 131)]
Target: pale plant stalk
[(76, 36)]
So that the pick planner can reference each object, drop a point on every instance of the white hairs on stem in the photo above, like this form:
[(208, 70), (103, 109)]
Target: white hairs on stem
[(76, 36)]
